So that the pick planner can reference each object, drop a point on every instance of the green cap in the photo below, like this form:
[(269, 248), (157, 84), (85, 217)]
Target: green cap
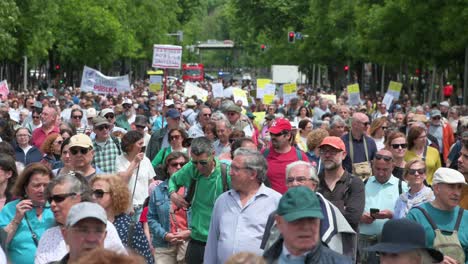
[(299, 202)]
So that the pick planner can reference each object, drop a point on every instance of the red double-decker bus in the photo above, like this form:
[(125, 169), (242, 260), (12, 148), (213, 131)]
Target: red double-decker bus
[(193, 72)]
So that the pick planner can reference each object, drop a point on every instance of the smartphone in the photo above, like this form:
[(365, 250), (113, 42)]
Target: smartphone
[(143, 149), (374, 211)]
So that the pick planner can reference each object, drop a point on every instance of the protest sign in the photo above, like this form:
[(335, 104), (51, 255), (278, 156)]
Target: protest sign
[(191, 89), (241, 95), (388, 100), (268, 98), (155, 83), (167, 56), (330, 97), (218, 90), (354, 97), (289, 92), (94, 81), (261, 83), (394, 89), (259, 118), (4, 91)]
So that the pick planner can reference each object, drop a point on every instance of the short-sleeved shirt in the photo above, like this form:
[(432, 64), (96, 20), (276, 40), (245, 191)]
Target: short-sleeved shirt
[(359, 153), (139, 242), (39, 135), (145, 174), (105, 155)]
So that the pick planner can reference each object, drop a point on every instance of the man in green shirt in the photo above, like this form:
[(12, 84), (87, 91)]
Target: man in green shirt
[(204, 177)]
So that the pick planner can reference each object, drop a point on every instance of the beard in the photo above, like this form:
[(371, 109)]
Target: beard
[(331, 165)]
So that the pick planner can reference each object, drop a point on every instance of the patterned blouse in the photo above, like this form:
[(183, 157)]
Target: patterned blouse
[(139, 242)]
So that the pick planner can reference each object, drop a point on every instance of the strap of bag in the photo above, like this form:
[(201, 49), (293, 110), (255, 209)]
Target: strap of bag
[(400, 188), (459, 218), (351, 147), (136, 179), (224, 177), (191, 191), (424, 153), (33, 234), (429, 219)]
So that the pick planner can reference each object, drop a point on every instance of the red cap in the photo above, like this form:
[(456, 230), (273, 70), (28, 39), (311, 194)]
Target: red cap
[(279, 125), (335, 142)]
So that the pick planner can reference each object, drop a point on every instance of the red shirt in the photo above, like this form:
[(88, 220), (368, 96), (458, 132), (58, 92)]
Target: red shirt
[(180, 216), (144, 215), (39, 135), (277, 163)]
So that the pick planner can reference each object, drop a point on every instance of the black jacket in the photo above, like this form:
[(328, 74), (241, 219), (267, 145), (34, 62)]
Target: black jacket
[(33, 155), (320, 254), (155, 142)]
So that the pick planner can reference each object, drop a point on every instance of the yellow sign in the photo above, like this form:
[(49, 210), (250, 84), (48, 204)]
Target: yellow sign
[(155, 87), (395, 86), (330, 97), (268, 98), (262, 82), (240, 94), (259, 117), (353, 88), (289, 88)]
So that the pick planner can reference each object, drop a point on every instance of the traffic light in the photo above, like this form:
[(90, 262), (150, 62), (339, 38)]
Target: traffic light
[(57, 67), (263, 47), (291, 37), (346, 68)]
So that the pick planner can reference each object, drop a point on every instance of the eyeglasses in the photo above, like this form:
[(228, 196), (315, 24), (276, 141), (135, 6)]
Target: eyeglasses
[(174, 137), (140, 127), (396, 146), (279, 134), (35, 117), (176, 164), (109, 116), (88, 231), (83, 151), (299, 179), (231, 113), (58, 198), (235, 168), (365, 123), (208, 115), (329, 151), (22, 135), (102, 127), (99, 193), (436, 118), (419, 171), (380, 157), (77, 117), (201, 162)]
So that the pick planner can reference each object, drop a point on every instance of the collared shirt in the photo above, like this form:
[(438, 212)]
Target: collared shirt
[(287, 257), (196, 131), (382, 196), (52, 246), (138, 184), (348, 195), (105, 155), (235, 228), (220, 148), (39, 135)]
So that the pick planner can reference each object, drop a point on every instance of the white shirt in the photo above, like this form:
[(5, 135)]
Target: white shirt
[(145, 175), (52, 246)]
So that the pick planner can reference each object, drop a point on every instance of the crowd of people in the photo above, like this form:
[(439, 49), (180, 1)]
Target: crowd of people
[(170, 179)]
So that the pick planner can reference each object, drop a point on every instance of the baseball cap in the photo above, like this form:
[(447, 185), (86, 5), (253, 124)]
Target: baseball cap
[(143, 107), (85, 210), (90, 113), (168, 102), (190, 102), (435, 112), (106, 111), (99, 120), (233, 108), (173, 113), (448, 176), (81, 140), (445, 103), (270, 117), (127, 101), (279, 125), (141, 120), (403, 235), (335, 142), (299, 202)]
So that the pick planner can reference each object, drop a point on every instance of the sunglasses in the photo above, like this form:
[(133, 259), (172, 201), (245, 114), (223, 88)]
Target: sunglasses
[(109, 116), (83, 151), (231, 113), (59, 142), (380, 157), (127, 106), (36, 117), (201, 162), (384, 128), (58, 198), (102, 127), (436, 118), (77, 117), (419, 171), (99, 193), (279, 134), (175, 137), (396, 146), (176, 164), (365, 123), (208, 115), (140, 127)]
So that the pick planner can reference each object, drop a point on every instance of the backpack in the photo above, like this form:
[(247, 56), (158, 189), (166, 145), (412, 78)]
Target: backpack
[(298, 153), (449, 245), (193, 184)]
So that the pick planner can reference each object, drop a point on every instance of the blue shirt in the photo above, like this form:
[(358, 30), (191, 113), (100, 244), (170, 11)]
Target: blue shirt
[(445, 220), (22, 248), (235, 228), (359, 154), (383, 197)]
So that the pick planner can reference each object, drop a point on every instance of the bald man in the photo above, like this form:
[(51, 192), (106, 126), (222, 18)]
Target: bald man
[(49, 120), (361, 149), (382, 191)]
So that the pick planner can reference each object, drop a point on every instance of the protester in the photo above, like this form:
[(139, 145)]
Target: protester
[(396, 144), (8, 177), (51, 149), (24, 151), (177, 136)]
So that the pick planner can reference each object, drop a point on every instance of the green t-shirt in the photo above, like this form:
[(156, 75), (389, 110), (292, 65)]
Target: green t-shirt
[(445, 220), (208, 189)]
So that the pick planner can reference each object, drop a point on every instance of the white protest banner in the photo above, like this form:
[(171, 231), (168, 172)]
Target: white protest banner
[(241, 95), (289, 92), (155, 83), (354, 97), (167, 56), (4, 91), (394, 89), (330, 97), (261, 84), (218, 90), (94, 81), (268, 93), (388, 100), (191, 89)]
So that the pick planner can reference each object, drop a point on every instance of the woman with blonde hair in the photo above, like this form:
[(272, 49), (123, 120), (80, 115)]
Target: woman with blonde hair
[(377, 131), (114, 196), (397, 145), (418, 193), (314, 139)]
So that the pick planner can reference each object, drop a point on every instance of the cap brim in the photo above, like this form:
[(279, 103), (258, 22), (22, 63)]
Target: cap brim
[(398, 248), (331, 145), (80, 145), (275, 130), (303, 214)]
